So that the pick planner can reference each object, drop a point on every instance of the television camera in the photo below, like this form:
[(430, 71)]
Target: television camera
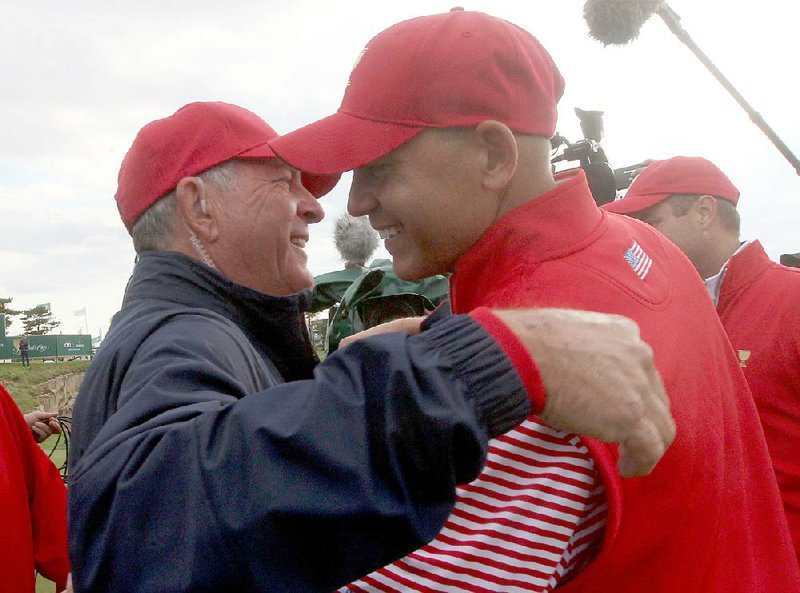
[(604, 182)]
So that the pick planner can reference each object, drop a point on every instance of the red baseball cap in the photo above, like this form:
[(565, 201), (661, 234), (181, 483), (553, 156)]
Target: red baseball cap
[(678, 175), (448, 70), (195, 138)]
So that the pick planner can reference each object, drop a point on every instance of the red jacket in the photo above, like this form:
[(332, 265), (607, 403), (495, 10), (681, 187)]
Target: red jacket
[(33, 507), (709, 517), (758, 306)]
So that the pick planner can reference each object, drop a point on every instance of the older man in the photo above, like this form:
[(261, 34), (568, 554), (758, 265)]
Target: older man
[(446, 122), (693, 203), (208, 452)]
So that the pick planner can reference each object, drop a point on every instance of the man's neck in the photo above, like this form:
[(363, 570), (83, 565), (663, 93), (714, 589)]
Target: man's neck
[(718, 253)]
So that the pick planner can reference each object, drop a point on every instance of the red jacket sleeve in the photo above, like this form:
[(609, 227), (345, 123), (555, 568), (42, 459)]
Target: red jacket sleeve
[(515, 350), (35, 504)]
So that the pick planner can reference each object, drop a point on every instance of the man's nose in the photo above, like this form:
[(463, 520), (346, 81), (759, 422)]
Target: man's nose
[(361, 200), (309, 208)]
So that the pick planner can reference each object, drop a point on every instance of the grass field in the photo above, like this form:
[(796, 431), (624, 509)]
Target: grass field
[(21, 383)]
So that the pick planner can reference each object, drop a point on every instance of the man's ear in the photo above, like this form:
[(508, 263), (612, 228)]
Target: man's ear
[(501, 154), (196, 209), (705, 210)]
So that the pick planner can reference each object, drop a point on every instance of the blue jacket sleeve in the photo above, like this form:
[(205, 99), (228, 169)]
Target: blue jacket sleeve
[(305, 486)]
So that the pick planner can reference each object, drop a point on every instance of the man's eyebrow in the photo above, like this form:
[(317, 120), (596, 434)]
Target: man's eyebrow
[(384, 161)]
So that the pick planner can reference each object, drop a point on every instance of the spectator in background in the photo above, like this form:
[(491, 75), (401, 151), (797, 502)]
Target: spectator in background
[(24, 346), (356, 241), (33, 507), (361, 296), (693, 203)]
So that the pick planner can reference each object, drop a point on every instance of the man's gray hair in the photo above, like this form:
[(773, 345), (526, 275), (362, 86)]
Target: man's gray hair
[(155, 229), (728, 213)]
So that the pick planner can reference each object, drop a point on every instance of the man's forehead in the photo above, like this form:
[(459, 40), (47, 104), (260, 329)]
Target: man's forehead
[(411, 149)]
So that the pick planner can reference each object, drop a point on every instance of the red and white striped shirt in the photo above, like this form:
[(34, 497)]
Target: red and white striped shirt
[(534, 515)]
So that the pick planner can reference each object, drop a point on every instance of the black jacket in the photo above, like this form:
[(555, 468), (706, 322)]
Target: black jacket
[(195, 467)]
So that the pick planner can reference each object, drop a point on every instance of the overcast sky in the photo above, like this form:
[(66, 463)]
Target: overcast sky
[(79, 79)]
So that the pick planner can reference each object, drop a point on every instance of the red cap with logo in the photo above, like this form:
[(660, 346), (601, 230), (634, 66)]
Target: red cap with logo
[(678, 175), (195, 138), (448, 70)]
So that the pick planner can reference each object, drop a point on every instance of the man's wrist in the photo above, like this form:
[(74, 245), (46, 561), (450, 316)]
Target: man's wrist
[(515, 350), (492, 383)]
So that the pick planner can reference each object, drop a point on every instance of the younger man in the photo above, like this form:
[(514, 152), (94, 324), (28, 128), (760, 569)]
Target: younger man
[(446, 122)]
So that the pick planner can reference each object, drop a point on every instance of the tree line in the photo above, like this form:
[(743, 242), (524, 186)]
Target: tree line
[(37, 321)]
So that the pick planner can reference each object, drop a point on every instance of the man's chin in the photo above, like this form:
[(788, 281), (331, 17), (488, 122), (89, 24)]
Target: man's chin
[(304, 282), (406, 270)]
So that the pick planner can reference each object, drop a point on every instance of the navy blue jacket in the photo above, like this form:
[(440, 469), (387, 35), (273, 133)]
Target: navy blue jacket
[(196, 466)]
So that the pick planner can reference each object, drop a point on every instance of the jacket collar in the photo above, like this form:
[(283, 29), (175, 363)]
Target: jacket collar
[(743, 268), (274, 325)]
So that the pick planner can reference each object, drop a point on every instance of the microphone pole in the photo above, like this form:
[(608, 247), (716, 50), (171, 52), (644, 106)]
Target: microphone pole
[(673, 21)]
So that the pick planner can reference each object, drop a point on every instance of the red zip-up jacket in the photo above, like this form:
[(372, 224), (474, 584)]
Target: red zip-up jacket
[(709, 518), (758, 305)]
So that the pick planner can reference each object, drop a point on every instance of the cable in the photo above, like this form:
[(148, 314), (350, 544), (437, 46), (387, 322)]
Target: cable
[(65, 423)]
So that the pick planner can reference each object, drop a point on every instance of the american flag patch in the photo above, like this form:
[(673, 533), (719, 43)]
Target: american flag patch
[(638, 260)]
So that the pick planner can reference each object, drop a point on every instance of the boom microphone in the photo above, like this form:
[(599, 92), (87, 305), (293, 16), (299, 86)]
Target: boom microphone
[(355, 239), (619, 21), (616, 22)]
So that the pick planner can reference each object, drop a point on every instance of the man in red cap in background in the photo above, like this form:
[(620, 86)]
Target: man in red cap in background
[(209, 454), (694, 204), (446, 121)]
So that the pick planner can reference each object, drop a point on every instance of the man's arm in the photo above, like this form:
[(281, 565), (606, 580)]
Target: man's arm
[(311, 484), (599, 377), (305, 485), (46, 498)]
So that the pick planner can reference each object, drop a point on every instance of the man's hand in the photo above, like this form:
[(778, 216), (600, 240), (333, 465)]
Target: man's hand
[(42, 424), (600, 381), (409, 325)]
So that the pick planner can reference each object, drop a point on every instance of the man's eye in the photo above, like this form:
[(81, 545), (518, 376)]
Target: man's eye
[(378, 171)]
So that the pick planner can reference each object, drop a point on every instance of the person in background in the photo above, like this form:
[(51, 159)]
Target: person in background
[(210, 451), (33, 507), (356, 241), (693, 203), (363, 296), (24, 347), (445, 122)]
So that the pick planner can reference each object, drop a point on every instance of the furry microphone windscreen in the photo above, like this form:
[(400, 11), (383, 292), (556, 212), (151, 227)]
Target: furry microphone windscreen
[(355, 239), (616, 22)]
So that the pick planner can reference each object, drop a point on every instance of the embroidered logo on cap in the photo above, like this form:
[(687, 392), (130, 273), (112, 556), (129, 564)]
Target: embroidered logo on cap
[(744, 356), (638, 260), (358, 61)]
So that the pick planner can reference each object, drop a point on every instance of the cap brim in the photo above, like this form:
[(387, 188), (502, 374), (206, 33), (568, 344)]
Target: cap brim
[(317, 185), (632, 204), (340, 143)]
